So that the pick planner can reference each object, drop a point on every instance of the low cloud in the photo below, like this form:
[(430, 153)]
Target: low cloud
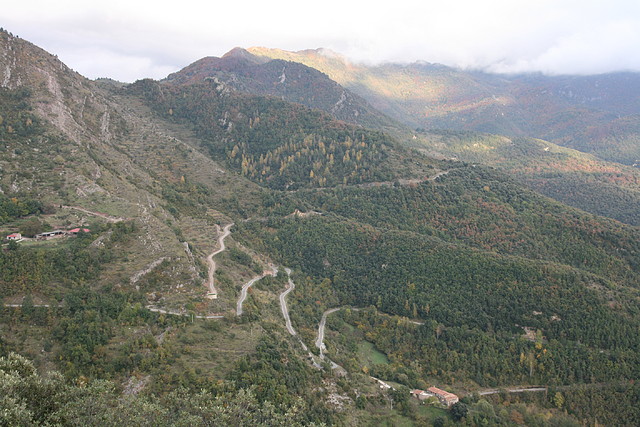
[(130, 40), (610, 46)]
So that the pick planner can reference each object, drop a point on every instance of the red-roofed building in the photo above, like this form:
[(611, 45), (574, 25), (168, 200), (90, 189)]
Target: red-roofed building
[(14, 236), (78, 230), (445, 397)]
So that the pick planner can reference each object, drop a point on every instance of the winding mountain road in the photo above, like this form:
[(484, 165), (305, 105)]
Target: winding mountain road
[(512, 390), (245, 288), (285, 313), (32, 305), (321, 326), (213, 294), (283, 303), (183, 313), (399, 181), (402, 181), (320, 340)]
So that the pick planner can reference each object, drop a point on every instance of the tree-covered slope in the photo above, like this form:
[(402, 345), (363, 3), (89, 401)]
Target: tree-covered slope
[(569, 176), (504, 286), (575, 111), (509, 105), (475, 292), (275, 143), (479, 208)]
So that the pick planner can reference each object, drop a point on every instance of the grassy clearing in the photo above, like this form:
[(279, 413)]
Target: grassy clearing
[(369, 355), (366, 352), (211, 348), (431, 412)]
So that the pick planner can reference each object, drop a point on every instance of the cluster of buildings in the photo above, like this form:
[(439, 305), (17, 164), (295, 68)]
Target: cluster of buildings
[(59, 233), (50, 234), (444, 397)]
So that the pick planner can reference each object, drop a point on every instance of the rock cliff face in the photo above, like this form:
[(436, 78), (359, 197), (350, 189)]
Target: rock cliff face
[(63, 97)]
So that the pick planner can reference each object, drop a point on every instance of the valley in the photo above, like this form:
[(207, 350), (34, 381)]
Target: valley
[(494, 267)]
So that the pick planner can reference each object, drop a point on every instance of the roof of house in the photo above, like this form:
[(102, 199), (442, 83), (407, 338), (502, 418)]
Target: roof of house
[(14, 235), (77, 230), (442, 393), (46, 233)]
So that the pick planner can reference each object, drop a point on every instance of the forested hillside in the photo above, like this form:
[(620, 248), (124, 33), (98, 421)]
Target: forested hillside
[(569, 176), (251, 260), (536, 265), (595, 114), (479, 208), (275, 143)]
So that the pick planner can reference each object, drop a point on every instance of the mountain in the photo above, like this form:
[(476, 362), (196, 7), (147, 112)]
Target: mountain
[(290, 81), (572, 111), (428, 95), (425, 271), (578, 180)]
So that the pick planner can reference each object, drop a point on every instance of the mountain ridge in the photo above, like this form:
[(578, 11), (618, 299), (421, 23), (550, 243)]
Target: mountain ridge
[(577, 180)]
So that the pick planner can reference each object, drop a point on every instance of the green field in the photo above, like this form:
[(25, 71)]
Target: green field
[(369, 355)]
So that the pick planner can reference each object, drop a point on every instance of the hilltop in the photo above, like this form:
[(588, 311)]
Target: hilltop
[(290, 81)]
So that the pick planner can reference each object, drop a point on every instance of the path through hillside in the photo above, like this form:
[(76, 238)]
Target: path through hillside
[(512, 390), (321, 326), (213, 294), (285, 313), (320, 339), (183, 313), (400, 181), (109, 218), (33, 305), (283, 303), (245, 288)]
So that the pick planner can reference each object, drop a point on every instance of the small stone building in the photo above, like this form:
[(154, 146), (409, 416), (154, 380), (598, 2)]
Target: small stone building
[(445, 397)]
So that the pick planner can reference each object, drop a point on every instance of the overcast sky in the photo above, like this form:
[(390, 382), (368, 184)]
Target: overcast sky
[(129, 40)]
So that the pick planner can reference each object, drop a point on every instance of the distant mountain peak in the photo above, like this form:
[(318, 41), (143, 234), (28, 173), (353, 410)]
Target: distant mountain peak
[(292, 55), (236, 51), (330, 53), (237, 58), (239, 53)]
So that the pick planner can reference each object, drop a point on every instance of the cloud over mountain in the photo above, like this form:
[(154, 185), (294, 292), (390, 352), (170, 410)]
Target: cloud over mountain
[(131, 40)]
